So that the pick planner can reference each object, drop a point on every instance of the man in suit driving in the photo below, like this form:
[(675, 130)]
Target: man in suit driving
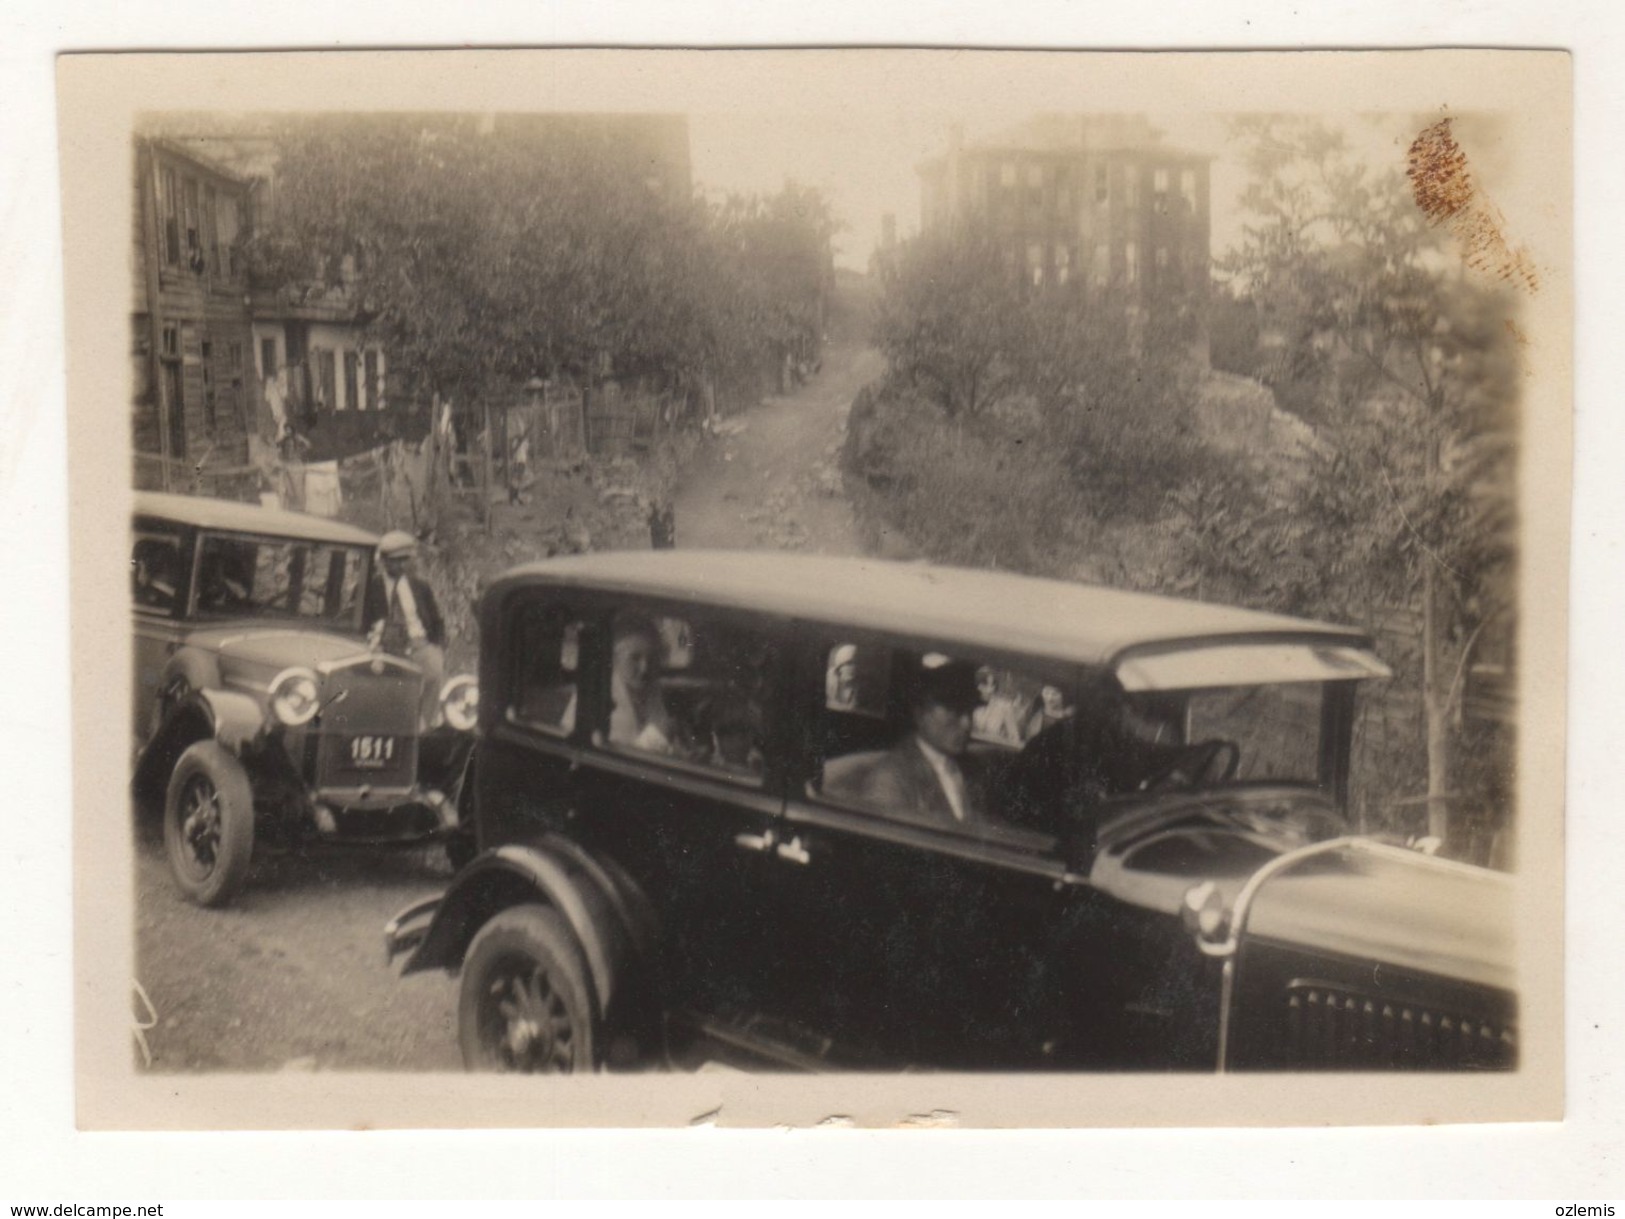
[(927, 776)]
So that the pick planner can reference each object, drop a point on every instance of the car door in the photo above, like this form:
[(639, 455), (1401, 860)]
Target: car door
[(534, 649), (678, 780), (158, 567), (926, 941)]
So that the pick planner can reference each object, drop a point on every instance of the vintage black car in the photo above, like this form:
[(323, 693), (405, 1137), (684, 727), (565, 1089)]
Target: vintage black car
[(260, 711), (839, 813)]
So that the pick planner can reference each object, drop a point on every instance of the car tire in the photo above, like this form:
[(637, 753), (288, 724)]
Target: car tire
[(524, 1004), (209, 824)]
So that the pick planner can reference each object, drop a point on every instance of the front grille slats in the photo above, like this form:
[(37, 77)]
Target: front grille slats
[(1332, 1026), (376, 706)]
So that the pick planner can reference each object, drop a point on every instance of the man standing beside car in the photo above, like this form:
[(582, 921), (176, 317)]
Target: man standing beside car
[(403, 619)]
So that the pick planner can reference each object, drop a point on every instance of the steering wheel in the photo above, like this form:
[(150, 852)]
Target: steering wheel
[(1194, 764)]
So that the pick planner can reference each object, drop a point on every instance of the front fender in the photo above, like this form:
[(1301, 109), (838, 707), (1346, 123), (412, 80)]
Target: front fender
[(235, 720), (595, 898)]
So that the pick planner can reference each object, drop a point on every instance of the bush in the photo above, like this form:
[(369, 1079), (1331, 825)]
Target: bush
[(966, 492)]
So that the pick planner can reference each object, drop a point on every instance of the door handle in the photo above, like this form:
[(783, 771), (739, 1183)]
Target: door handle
[(794, 851), (755, 842)]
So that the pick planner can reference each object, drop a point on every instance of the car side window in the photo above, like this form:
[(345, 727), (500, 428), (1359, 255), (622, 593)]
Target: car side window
[(546, 655), (155, 571), (942, 740), (855, 679), (694, 688)]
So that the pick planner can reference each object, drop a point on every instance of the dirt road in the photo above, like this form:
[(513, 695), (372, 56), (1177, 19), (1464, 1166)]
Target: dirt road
[(776, 483), (291, 975)]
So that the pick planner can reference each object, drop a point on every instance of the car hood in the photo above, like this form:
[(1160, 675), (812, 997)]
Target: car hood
[(1149, 851), (1383, 903), (276, 645)]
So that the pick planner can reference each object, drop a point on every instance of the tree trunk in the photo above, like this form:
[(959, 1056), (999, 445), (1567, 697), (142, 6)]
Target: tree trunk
[(1436, 684), (487, 478), (1436, 698)]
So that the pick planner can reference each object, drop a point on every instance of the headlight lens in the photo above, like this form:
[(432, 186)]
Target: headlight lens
[(295, 697), (460, 702), (1203, 911)]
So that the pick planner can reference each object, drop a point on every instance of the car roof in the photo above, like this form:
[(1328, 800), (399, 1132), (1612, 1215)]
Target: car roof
[(247, 518), (1082, 623)]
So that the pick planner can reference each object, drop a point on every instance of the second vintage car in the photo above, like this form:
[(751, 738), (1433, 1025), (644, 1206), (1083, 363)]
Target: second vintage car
[(815, 812), (260, 711)]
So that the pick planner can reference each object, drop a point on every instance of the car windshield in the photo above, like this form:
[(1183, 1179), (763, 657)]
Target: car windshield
[(241, 577), (1197, 738)]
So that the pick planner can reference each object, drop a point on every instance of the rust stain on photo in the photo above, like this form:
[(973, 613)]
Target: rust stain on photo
[(1444, 189)]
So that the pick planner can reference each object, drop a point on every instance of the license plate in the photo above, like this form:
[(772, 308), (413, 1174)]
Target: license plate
[(371, 752)]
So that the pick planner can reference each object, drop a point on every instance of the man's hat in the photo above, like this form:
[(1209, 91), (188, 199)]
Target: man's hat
[(952, 683), (397, 544)]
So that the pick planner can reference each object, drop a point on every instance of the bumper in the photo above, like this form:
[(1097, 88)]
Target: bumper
[(406, 930), (362, 816)]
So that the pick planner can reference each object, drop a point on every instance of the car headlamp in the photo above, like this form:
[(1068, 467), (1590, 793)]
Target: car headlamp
[(295, 697), (460, 702), (1203, 912)]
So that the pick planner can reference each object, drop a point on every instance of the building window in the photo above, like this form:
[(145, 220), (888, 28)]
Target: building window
[(1035, 262), (211, 230), (169, 203), (1131, 263), (1102, 186), (373, 380), (1131, 187), (191, 223), (1063, 264), (326, 376), (352, 398), (1100, 268), (228, 236), (268, 363), (208, 384), (1187, 187), (1159, 181), (173, 398)]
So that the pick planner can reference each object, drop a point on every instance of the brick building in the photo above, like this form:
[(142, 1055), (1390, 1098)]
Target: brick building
[(1096, 199)]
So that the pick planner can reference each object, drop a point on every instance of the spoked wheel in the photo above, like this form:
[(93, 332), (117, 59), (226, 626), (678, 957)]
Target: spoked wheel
[(524, 1003), (209, 824)]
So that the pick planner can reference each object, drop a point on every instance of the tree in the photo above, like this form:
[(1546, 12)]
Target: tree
[(948, 320), (486, 257), (1410, 363), (779, 247)]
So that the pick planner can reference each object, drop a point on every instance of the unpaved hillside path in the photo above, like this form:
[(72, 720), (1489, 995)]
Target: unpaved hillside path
[(776, 484)]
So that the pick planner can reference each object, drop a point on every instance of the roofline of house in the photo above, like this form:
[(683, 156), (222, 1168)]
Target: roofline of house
[(171, 148)]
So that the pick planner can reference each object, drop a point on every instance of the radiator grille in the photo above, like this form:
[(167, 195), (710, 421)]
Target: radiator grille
[(1328, 1025), (375, 708)]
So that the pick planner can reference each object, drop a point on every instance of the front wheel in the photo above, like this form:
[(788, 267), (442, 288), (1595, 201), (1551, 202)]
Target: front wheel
[(209, 824), (524, 1004)]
